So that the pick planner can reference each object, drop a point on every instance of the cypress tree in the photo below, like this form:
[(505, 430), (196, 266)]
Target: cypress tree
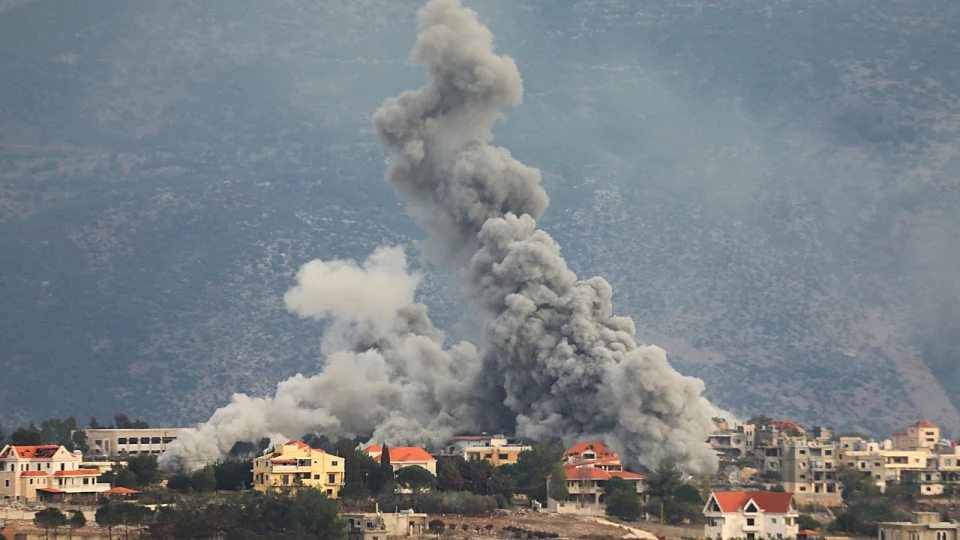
[(386, 469)]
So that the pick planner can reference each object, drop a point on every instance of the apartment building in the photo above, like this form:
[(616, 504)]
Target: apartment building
[(48, 472), (922, 434), (295, 464), (941, 477), (750, 515), (810, 468), (922, 526), (497, 450), (114, 443)]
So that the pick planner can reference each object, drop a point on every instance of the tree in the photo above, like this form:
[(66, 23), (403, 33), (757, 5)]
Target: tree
[(122, 421), (386, 469), (558, 490), (49, 518), (315, 515), (203, 480), (179, 482), (26, 436), (759, 420), (108, 517), (806, 521), (144, 468), (532, 468), (416, 479), (233, 475), (664, 481), (688, 494), (94, 424), (123, 477), (59, 432), (448, 475), (624, 504), (436, 526), (77, 521)]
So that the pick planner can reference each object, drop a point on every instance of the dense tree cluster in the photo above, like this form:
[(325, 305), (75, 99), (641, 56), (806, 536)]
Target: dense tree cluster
[(865, 505)]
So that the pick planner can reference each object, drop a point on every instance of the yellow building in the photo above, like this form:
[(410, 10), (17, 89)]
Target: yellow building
[(295, 464), (498, 450)]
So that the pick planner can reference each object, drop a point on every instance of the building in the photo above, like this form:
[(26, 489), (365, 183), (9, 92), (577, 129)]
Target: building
[(115, 443), (922, 434), (295, 464), (729, 443), (922, 526), (589, 451), (750, 515), (48, 472), (498, 450), (378, 526), (590, 466), (810, 468), (404, 456)]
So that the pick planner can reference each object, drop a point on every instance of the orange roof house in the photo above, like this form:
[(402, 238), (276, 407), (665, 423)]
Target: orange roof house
[(28, 473), (404, 456), (587, 451), (742, 514)]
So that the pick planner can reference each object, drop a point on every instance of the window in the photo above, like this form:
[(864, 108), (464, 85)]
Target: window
[(773, 520), (503, 456), (333, 463), (144, 440), (751, 522), (803, 488), (168, 440), (316, 477), (48, 464), (941, 535), (803, 452), (828, 452), (155, 440), (122, 440), (330, 492), (61, 467), (86, 481), (331, 478), (31, 481)]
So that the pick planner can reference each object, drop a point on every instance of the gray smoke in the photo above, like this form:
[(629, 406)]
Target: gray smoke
[(557, 363), (386, 371)]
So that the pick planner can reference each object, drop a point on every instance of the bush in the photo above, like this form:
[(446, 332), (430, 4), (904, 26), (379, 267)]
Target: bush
[(436, 526)]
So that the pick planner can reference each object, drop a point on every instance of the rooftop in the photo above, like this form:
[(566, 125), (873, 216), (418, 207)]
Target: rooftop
[(732, 501)]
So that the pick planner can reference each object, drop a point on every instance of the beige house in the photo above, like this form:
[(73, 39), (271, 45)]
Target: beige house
[(922, 526), (131, 442), (380, 526), (295, 464), (404, 456), (589, 467), (497, 449), (922, 434), (809, 469), (48, 472)]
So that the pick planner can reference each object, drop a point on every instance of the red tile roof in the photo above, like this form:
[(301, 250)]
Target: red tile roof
[(33, 473), (78, 472), (769, 501), (373, 448), (300, 444), (924, 424), (283, 460), (401, 454), (808, 532), (121, 491), (597, 448), (31, 452)]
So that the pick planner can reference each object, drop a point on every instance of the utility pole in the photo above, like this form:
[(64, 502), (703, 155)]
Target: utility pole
[(661, 518)]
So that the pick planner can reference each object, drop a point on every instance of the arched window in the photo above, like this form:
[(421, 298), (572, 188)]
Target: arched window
[(941, 535), (883, 534)]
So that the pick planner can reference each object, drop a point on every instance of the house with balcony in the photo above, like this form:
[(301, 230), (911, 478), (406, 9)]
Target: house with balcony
[(497, 450), (47, 472), (589, 467), (750, 515), (809, 469), (293, 465), (922, 526), (404, 456)]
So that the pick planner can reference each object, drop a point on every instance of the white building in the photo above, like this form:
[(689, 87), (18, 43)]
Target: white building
[(751, 515), (131, 442), (48, 472)]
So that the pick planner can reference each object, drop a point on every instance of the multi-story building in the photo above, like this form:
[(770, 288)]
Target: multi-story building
[(922, 526), (750, 515), (294, 464), (497, 450), (131, 442), (590, 465), (404, 456), (810, 468), (941, 476), (730, 443), (921, 434), (47, 472)]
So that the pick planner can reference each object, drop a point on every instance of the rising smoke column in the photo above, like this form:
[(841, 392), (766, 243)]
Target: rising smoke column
[(386, 371), (558, 363)]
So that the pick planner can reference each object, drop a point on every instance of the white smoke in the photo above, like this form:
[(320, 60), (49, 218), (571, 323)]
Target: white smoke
[(557, 363), (391, 376)]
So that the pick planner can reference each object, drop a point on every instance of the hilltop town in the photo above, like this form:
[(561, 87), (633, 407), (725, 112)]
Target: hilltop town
[(776, 479)]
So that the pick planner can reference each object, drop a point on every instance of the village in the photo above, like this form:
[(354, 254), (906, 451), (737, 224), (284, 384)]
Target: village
[(776, 480)]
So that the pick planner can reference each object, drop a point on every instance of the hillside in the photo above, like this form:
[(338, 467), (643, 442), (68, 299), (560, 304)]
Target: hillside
[(772, 189)]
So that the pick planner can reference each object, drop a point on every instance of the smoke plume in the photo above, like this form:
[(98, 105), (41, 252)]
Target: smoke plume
[(556, 363)]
